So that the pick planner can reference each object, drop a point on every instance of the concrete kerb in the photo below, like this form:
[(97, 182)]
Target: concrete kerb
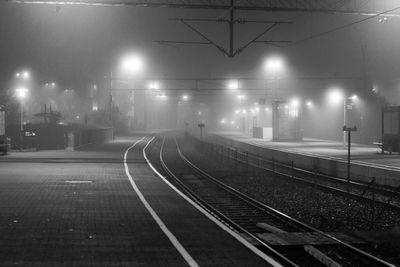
[(326, 165)]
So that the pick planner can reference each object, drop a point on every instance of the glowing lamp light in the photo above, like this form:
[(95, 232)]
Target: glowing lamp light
[(25, 74), (132, 64), (21, 92), (309, 104), (354, 97), (295, 103), (233, 85), (335, 96), (185, 97), (241, 97), (154, 86), (274, 64)]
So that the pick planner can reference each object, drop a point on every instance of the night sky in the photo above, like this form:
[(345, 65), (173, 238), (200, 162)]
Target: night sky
[(78, 45)]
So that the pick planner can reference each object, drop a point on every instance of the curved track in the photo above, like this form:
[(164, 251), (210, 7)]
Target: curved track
[(252, 218)]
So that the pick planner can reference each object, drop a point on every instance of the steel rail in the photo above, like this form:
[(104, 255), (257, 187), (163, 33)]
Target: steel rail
[(213, 211), (360, 252), (320, 176)]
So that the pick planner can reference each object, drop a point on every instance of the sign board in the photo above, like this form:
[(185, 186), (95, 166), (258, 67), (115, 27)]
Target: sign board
[(30, 134), (201, 125)]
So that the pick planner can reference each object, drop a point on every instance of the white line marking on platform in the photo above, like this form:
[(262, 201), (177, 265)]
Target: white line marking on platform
[(212, 218), (160, 223)]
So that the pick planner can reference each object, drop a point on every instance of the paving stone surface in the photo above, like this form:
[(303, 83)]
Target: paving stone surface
[(83, 212)]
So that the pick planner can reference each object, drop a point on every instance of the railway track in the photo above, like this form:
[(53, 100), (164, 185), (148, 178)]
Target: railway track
[(256, 220), (386, 197)]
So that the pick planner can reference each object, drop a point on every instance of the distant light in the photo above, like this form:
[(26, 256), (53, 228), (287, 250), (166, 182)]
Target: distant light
[(309, 104), (244, 111), (185, 97), (233, 85), (162, 96), (132, 64), (95, 107), (154, 85), (286, 106), (21, 92), (17, 74), (95, 87), (199, 113), (46, 84), (25, 74), (257, 109), (223, 121), (237, 111), (241, 97), (267, 109), (383, 20), (274, 64), (353, 97), (295, 103), (335, 96), (53, 84), (77, 117), (232, 122)]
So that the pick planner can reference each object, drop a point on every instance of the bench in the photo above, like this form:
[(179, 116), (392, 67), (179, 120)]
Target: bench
[(384, 147)]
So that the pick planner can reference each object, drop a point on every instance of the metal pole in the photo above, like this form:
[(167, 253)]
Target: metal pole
[(348, 160), (231, 28), (344, 122), (110, 100), (21, 137)]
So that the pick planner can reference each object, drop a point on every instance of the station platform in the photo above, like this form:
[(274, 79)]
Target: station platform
[(81, 208), (323, 155)]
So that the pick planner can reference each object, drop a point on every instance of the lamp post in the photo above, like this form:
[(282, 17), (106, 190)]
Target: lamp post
[(241, 98), (21, 94), (274, 65), (131, 65)]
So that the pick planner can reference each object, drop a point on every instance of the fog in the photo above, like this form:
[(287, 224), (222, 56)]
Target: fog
[(80, 49)]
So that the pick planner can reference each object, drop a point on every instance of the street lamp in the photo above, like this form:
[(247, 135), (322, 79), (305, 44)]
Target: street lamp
[(233, 85), (23, 74), (21, 93), (132, 64), (153, 85), (274, 64)]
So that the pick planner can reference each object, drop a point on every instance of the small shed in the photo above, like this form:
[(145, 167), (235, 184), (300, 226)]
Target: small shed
[(286, 121), (391, 129)]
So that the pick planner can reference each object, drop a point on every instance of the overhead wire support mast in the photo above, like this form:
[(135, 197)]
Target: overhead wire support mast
[(230, 52)]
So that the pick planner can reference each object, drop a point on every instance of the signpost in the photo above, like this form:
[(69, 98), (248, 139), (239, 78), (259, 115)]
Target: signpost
[(348, 130), (201, 126)]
